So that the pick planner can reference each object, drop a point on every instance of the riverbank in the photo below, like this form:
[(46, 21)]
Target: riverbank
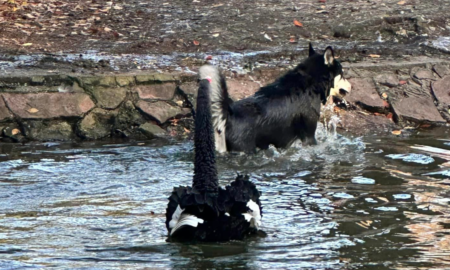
[(90, 70)]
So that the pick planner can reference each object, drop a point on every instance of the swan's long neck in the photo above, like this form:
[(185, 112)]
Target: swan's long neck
[(205, 172)]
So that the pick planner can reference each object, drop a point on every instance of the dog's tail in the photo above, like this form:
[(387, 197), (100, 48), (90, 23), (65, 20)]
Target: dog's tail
[(220, 103)]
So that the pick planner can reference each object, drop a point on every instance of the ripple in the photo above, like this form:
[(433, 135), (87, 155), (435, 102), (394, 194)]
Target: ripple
[(104, 206), (363, 180), (414, 158), (386, 209), (402, 196)]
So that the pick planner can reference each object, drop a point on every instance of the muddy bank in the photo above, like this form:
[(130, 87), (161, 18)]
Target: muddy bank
[(387, 96), (132, 26), (102, 36)]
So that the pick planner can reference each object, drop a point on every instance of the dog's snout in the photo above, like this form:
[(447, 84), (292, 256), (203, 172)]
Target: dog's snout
[(343, 92)]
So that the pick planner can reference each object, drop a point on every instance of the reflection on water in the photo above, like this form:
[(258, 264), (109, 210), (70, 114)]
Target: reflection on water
[(347, 203)]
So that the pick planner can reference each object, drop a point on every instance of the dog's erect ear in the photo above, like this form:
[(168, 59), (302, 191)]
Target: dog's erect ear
[(329, 56), (311, 50)]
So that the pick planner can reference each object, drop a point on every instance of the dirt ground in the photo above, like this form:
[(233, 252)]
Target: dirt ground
[(356, 28)]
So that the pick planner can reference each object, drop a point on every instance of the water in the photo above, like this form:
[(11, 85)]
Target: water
[(344, 204)]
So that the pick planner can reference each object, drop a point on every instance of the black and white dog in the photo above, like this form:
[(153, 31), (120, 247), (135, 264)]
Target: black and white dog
[(279, 113)]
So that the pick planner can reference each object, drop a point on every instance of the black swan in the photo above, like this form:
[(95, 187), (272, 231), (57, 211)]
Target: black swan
[(206, 211)]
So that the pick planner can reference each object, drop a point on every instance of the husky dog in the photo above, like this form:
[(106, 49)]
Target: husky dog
[(206, 211), (277, 114)]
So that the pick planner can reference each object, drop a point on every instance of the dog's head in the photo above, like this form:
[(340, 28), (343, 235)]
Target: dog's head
[(323, 69), (341, 87)]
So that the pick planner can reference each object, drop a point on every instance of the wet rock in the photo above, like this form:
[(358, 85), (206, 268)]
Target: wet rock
[(187, 94), (13, 133), (417, 109), (424, 74), (157, 77), (123, 81), (128, 119), (48, 105), (441, 90), (190, 88), (162, 77), (107, 81), (48, 131), (4, 112), (110, 97), (389, 80), (365, 124), (365, 95), (441, 70), (239, 89), (90, 80), (144, 78), (163, 91), (161, 110), (97, 124), (151, 130)]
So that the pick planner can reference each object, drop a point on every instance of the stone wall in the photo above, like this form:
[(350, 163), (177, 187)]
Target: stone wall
[(397, 96), (386, 96), (66, 107)]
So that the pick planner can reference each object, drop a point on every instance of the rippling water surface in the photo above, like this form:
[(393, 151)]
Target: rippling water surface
[(348, 203)]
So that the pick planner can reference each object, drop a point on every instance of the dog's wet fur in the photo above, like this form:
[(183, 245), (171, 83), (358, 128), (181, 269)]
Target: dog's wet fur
[(277, 114)]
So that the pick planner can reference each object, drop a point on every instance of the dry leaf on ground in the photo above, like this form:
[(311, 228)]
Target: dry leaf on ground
[(297, 23)]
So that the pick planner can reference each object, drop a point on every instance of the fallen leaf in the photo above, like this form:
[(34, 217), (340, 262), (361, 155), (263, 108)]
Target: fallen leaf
[(401, 2), (403, 82), (397, 132), (187, 130), (15, 131), (179, 102), (374, 55), (216, 35), (196, 43), (292, 40), (385, 104), (297, 23), (425, 125), (141, 143), (209, 57), (390, 116), (32, 110), (384, 95), (27, 44), (383, 199), (267, 37)]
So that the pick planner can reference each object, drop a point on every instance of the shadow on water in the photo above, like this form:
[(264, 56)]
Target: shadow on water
[(347, 203)]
